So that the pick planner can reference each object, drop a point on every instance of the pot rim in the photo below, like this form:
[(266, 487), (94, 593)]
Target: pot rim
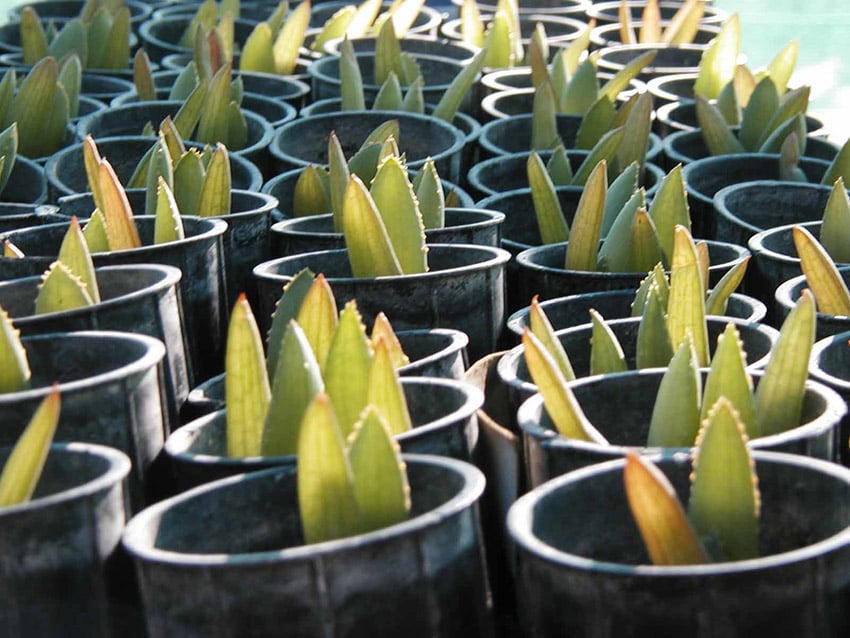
[(759, 250), (521, 514), (134, 537), (818, 350), (784, 298)]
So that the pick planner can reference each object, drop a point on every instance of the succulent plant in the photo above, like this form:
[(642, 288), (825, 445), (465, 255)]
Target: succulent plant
[(682, 28)]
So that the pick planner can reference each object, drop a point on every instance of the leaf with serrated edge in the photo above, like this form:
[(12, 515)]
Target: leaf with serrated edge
[(95, 233), (59, 290), (387, 53), (669, 208), (382, 329), (159, 167), (583, 247), (725, 501), (297, 380), (654, 349), (290, 38), (619, 192), (834, 233), (822, 277), (718, 62), (110, 199), (23, 468), (655, 277), (286, 309), (325, 481), (318, 318), (429, 193), (74, 253), (728, 377), (385, 391), (547, 207), (542, 328), (380, 475), (246, 384), (370, 252), (560, 402), (675, 417), (780, 392), (215, 194), (168, 224), (665, 529), (606, 354), (686, 304), (347, 370), (188, 179), (14, 366), (715, 303)]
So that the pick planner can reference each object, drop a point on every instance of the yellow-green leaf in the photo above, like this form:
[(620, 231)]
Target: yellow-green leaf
[(718, 137), (835, 231), (312, 192), (338, 178), (686, 304), (621, 79), (189, 114), (459, 88), (728, 378), (385, 391), (669, 209), (719, 60), (33, 37), (822, 277), (757, 114), (619, 192), (429, 194), (370, 252), (544, 125), (650, 28), (389, 96), (214, 198), (715, 304), (74, 253), (363, 18), (542, 328), (188, 180), (547, 208), (290, 38), (471, 24), (583, 247), (110, 199), (257, 54), (606, 353), (318, 318), (24, 465), (498, 43), (334, 27), (382, 329), (159, 167), (582, 90), (596, 122), (675, 417), (685, 23), (655, 277), (559, 168), (14, 366), (95, 233), (605, 149), (615, 254), (644, 248), (627, 32), (168, 224), (351, 80), (60, 289), (782, 66), (725, 501), (286, 309), (654, 349), (635, 140)]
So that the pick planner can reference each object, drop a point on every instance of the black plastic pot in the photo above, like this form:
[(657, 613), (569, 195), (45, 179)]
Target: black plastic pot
[(704, 177), (235, 539), (425, 24), (669, 59), (67, 176), (560, 29), (620, 407), (675, 87), (830, 365), (464, 290), (414, 44), (608, 35), (742, 210), (62, 547), (582, 569), (444, 423), (608, 12), (788, 294), (572, 310), (574, 8), (305, 141), (27, 183), (67, 9), (13, 216)]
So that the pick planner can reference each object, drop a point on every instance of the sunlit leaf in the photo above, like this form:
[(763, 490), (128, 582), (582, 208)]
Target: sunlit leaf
[(257, 54), (606, 353), (290, 38), (718, 137), (429, 194), (544, 124), (382, 329), (583, 247), (318, 318), (686, 305), (14, 366), (286, 309), (715, 303), (822, 277), (385, 391), (835, 231), (543, 330), (547, 208), (460, 86), (719, 60), (654, 349), (676, 413), (728, 378), (74, 253), (669, 208)]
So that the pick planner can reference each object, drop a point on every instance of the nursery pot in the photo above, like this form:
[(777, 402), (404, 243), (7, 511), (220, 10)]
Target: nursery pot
[(608, 12), (279, 88), (575, 8), (675, 87), (112, 394), (315, 232), (27, 183), (442, 411), (13, 216), (704, 177), (561, 30), (608, 35), (425, 23), (161, 36), (141, 299), (304, 141), (199, 257), (464, 290), (620, 407), (59, 575), (742, 210), (788, 294), (582, 569), (239, 538), (669, 58), (66, 174), (414, 44), (572, 310), (830, 365)]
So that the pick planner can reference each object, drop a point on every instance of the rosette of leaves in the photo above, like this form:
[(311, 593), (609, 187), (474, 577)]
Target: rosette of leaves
[(99, 36), (42, 105), (682, 28), (319, 190), (274, 44), (357, 21), (500, 37)]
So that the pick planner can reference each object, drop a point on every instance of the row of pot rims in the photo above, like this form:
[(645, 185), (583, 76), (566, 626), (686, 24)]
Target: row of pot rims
[(142, 429)]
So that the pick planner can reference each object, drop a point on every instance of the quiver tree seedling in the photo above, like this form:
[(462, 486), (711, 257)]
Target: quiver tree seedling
[(682, 28)]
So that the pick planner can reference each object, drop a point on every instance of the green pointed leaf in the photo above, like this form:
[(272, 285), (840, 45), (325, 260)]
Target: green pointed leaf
[(669, 209), (237, 128), (382, 329), (471, 24), (686, 305), (627, 32), (290, 38), (387, 53), (550, 219), (347, 371), (559, 168), (635, 141), (685, 23), (429, 193), (619, 192), (657, 278), (60, 289), (571, 55), (380, 477), (581, 92), (338, 179), (318, 316), (822, 277), (111, 200), (757, 114), (37, 108), (70, 39), (185, 83), (596, 123), (257, 54), (789, 160), (795, 125), (654, 349), (583, 248), (213, 122), (14, 367), (675, 417), (606, 354), (189, 115), (297, 381), (621, 79), (538, 55), (563, 408), (363, 18), (95, 233), (459, 87), (33, 38), (389, 96), (727, 104), (286, 309), (544, 125), (403, 14), (325, 481), (312, 192), (665, 529), (715, 304), (779, 395), (335, 27), (74, 253), (385, 392), (718, 137), (840, 166), (71, 78), (351, 79), (159, 167), (188, 179), (724, 504), (214, 198), (246, 383), (7, 90), (645, 250), (143, 76), (22, 469), (793, 103), (414, 99), (543, 330), (498, 43), (615, 254), (834, 234), (782, 66), (605, 149), (728, 378), (116, 49), (719, 60), (168, 224)]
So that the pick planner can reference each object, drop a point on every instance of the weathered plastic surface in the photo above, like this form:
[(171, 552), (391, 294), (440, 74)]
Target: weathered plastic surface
[(141, 299), (757, 340), (704, 177), (14, 216), (830, 365), (464, 290), (443, 412), (788, 294), (620, 407), (199, 257), (112, 394), (27, 183), (542, 272), (572, 310), (582, 569), (205, 559), (305, 140), (57, 577)]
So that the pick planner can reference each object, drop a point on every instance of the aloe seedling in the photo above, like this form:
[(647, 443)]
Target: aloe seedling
[(357, 21), (822, 276), (274, 48), (682, 28), (500, 37), (719, 60)]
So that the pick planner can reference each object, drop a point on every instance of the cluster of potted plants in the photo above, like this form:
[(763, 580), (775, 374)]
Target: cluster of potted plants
[(381, 318)]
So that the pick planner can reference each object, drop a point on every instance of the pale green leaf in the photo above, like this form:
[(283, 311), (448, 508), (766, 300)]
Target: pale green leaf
[(382, 329), (718, 137), (363, 18), (654, 349), (95, 233), (669, 209), (334, 27), (544, 123), (168, 224), (619, 192), (559, 168), (835, 231), (257, 54), (214, 200), (822, 276), (728, 378), (782, 66), (74, 253), (286, 309), (685, 23), (33, 38), (583, 246), (644, 248), (429, 193), (595, 123), (605, 149), (686, 304), (290, 38), (581, 91), (338, 178), (719, 60), (389, 96), (459, 88), (159, 167), (318, 318), (59, 290), (606, 353), (312, 192), (615, 252), (385, 391), (621, 79), (547, 208), (635, 142), (757, 114), (675, 417), (715, 303), (542, 328), (14, 366), (188, 180)]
